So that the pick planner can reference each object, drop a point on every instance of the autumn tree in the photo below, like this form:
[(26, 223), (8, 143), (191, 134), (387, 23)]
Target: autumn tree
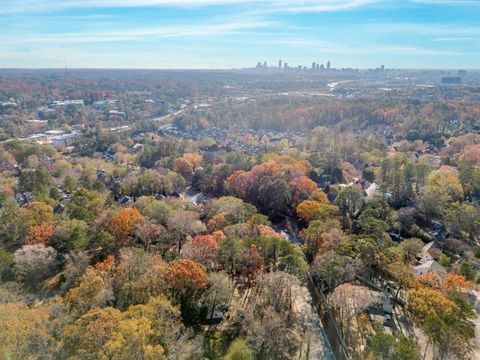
[(39, 234), (37, 213), (202, 249), (249, 264), (305, 189), (238, 350), (86, 336), (463, 220), (122, 224), (185, 281), (401, 273), (134, 338), (455, 283), (447, 322), (94, 290), (446, 180), (310, 210), (470, 180), (148, 232), (26, 333)]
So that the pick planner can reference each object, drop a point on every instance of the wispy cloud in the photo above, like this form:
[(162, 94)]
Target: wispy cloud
[(457, 39), (14, 6), (228, 27), (435, 29), (329, 47), (447, 2)]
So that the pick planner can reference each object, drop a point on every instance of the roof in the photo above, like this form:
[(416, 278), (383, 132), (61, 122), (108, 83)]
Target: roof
[(125, 200), (429, 251), (371, 190), (430, 265)]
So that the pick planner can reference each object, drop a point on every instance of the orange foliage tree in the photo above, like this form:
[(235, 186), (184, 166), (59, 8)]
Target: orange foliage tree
[(202, 249), (122, 224), (218, 235), (187, 163), (304, 189), (39, 234), (267, 231), (455, 283), (185, 280), (217, 222)]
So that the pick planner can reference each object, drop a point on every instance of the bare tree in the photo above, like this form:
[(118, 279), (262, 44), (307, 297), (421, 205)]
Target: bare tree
[(34, 264)]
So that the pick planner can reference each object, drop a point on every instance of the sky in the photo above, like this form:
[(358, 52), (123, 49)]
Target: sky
[(227, 34)]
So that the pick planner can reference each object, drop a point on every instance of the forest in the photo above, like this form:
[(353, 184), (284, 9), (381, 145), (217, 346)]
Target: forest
[(137, 245)]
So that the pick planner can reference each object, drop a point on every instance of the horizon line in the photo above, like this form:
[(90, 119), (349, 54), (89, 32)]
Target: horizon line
[(236, 69)]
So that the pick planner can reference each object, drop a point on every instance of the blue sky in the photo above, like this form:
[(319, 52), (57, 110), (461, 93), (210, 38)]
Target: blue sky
[(239, 33)]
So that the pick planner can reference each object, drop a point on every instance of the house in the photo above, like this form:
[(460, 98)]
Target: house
[(65, 139), (24, 198), (136, 148), (160, 197), (104, 104), (429, 266), (429, 252), (74, 103), (9, 104), (371, 190), (20, 199), (108, 155), (59, 208), (214, 317), (116, 113), (176, 194), (125, 200)]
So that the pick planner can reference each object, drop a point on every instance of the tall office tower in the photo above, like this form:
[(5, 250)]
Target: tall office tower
[(314, 66), (280, 63), (285, 66), (328, 65), (322, 67), (259, 65), (265, 64), (382, 68), (318, 67)]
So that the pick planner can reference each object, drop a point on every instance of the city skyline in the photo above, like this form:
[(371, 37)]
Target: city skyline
[(228, 34)]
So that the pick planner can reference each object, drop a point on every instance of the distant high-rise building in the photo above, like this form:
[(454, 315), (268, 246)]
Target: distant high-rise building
[(328, 65), (299, 67), (318, 67), (280, 63), (382, 68), (314, 66), (265, 64), (322, 67), (259, 65), (285, 65)]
